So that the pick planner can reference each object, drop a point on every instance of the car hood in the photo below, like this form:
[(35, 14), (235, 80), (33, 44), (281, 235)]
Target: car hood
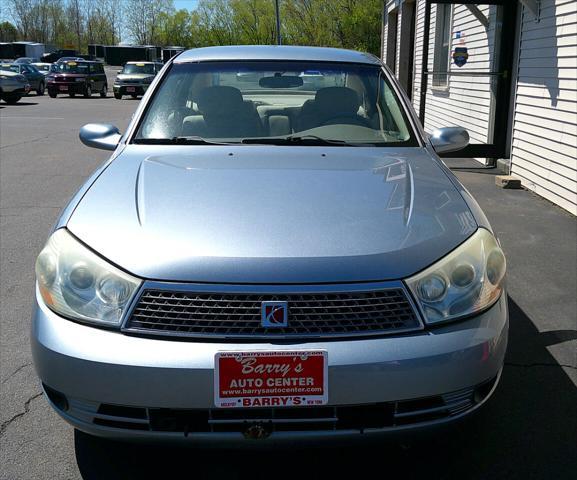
[(259, 214), (133, 76)]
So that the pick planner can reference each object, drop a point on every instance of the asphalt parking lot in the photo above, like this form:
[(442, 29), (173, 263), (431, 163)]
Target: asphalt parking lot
[(527, 430)]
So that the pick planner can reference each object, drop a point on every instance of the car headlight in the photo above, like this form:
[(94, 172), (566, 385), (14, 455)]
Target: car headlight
[(467, 280), (77, 283)]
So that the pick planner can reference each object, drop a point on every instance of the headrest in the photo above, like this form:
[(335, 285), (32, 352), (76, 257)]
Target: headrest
[(337, 99), (219, 100)]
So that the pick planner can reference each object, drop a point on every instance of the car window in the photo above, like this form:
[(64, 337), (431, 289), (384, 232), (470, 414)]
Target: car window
[(10, 68), (132, 68), (72, 67), (236, 101)]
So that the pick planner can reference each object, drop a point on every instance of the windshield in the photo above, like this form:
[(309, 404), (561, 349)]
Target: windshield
[(72, 67), (138, 68), (274, 102), (10, 68)]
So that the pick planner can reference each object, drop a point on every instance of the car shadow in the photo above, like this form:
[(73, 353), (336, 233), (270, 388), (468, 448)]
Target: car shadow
[(526, 430), (20, 103), (82, 97)]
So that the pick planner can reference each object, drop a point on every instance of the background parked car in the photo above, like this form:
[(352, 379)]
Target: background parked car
[(77, 77), (43, 68), (32, 74), (26, 60), (135, 78), (13, 86), (69, 59)]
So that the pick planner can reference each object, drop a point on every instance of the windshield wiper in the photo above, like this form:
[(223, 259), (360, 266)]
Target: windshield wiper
[(312, 140), (189, 140)]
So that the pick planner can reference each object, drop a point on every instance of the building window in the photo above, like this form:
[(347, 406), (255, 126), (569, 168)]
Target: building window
[(442, 44)]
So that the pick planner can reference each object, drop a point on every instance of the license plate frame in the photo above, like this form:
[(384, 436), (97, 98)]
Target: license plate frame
[(261, 379)]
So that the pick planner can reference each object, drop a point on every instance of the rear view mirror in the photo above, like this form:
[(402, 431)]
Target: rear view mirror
[(449, 139), (280, 82), (100, 135)]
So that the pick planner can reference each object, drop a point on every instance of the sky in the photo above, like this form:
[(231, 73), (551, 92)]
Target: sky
[(187, 4)]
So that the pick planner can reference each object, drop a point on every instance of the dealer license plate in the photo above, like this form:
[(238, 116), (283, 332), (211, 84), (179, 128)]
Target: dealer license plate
[(130, 89), (63, 88), (271, 379)]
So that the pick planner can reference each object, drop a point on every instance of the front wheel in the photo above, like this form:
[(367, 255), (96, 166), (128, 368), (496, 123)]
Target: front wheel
[(118, 96), (72, 94), (41, 89), (88, 91), (104, 91), (134, 95), (11, 99), (52, 94)]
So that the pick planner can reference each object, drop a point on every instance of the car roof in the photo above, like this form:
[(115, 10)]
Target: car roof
[(275, 52)]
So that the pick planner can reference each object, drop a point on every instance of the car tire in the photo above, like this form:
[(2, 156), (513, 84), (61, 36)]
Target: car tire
[(52, 94), (72, 94), (88, 91), (41, 89), (118, 96), (134, 95), (11, 99), (104, 91)]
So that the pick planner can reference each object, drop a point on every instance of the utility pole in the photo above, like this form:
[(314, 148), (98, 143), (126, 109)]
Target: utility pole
[(278, 38)]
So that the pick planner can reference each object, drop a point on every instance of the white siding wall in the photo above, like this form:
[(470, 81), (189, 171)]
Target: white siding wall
[(544, 137), (466, 100), (544, 144)]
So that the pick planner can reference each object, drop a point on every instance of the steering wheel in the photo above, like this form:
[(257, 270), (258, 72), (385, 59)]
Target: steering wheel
[(349, 119)]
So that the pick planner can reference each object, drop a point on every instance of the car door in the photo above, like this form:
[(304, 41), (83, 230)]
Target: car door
[(29, 74), (95, 79), (36, 75)]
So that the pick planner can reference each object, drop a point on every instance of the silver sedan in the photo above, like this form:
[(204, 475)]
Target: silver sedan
[(268, 259)]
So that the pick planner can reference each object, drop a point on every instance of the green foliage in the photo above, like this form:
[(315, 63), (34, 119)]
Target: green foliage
[(352, 24), (8, 32)]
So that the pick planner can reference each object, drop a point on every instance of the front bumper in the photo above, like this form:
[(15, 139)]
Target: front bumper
[(130, 89), (69, 87), (101, 372)]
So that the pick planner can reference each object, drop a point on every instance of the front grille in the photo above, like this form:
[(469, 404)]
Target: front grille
[(238, 316)]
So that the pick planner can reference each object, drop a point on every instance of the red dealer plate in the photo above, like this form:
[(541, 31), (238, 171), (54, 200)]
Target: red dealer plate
[(270, 379)]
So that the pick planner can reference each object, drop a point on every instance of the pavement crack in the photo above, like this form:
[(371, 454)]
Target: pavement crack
[(15, 372), (8, 422), (531, 365)]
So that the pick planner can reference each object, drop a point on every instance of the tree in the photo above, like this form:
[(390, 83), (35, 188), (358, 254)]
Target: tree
[(8, 32), (142, 18)]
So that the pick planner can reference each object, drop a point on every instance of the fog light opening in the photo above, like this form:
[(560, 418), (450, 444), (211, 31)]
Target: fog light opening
[(58, 399)]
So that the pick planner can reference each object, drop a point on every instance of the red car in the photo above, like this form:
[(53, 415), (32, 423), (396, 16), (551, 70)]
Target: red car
[(77, 77)]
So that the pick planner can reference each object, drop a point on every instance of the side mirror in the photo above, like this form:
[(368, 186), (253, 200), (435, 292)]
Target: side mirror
[(100, 135), (449, 139)]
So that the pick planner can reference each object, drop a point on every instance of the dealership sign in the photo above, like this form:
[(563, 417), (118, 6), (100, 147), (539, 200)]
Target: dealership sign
[(270, 379)]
